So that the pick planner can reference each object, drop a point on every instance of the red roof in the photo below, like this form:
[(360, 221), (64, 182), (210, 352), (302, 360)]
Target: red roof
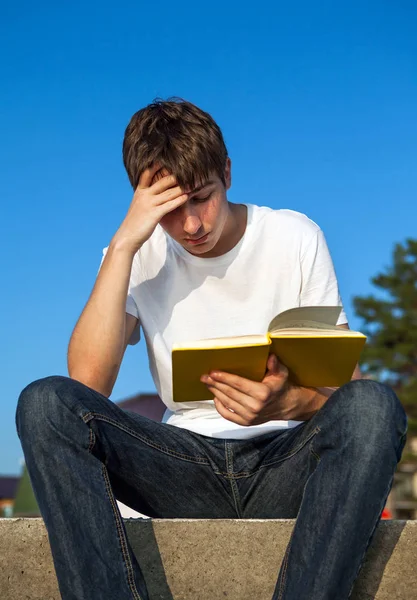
[(134, 401), (148, 405)]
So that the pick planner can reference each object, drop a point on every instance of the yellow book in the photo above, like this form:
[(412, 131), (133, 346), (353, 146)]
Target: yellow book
[(306, 340)]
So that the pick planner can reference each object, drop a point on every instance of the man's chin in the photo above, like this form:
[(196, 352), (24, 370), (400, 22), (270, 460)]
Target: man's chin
[(199, 249)]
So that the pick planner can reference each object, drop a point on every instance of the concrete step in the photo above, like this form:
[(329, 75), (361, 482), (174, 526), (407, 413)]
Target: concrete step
[(192, 559)]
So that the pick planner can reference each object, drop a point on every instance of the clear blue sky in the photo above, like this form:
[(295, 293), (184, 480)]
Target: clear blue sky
[(317, 102)]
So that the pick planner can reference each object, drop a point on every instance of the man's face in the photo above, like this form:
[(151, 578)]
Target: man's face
[(198, 224)]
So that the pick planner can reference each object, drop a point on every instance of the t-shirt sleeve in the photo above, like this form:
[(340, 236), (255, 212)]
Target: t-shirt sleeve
[(319, 285), (131, 306)]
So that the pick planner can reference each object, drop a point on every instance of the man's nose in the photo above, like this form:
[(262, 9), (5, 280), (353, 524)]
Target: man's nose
[(192, 221)]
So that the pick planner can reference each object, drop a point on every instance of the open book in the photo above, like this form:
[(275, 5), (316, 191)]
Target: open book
[(306, 340)]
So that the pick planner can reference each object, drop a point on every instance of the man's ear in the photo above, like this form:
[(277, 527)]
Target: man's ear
[(228, 173)]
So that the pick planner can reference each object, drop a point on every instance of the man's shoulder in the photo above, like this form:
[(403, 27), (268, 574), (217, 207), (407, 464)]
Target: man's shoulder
[(285, 220)]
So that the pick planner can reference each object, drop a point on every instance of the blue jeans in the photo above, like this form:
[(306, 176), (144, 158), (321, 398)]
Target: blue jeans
[(332, 473)]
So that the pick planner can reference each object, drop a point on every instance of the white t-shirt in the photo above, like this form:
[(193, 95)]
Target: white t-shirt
[(282, 261)]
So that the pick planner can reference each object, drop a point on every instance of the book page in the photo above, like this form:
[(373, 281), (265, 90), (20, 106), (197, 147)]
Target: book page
[(224, 342), (315, 332), (317, 317)]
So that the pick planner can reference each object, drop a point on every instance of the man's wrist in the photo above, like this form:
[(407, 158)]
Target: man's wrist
[(121, 244), (313, 401)]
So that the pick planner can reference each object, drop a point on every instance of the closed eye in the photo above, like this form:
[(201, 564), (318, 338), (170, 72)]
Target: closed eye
[(204, 199)]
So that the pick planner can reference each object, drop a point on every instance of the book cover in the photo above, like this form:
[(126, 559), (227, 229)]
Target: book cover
[(306, 340)]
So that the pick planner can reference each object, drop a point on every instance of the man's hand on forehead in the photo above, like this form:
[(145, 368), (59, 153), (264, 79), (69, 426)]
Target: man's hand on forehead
[(163, 172), (156, 195)]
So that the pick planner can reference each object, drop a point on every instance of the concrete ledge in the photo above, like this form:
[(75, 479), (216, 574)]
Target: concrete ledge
[(186, 559)]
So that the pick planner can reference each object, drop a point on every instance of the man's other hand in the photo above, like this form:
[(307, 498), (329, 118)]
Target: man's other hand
[(247, 402)]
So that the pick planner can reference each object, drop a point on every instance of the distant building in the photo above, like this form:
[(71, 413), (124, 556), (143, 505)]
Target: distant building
[(8, 486)]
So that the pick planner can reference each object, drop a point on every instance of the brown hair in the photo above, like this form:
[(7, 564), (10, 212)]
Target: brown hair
[(180, 137)]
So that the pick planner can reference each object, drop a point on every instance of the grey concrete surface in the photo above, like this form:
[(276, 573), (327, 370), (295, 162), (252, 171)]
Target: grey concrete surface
[(185, 559)]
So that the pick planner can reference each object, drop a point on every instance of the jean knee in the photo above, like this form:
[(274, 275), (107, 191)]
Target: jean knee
[(34, 400), (376, 407)]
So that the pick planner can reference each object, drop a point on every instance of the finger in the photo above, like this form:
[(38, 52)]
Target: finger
[(172, 205), (276, 368), (227, 414), (272, 364), (241, 384), (231, 404), (163, 184), (145, 180), (169, 194), (163, 172), (234, 395)]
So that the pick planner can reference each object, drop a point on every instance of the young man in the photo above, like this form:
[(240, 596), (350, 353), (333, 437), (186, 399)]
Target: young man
[(187, 264)]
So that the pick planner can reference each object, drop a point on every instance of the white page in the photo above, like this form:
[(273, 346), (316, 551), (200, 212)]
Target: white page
[(306, 316), (225, 342)]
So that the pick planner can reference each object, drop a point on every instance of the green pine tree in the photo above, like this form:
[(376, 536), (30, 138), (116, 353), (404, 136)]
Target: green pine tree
[(25, 504), (390, 354)]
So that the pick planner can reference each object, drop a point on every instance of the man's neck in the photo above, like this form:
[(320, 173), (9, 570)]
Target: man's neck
[(233, 230)]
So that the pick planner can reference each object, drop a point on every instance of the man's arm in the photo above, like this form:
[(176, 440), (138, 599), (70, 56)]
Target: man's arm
[(100, 336)]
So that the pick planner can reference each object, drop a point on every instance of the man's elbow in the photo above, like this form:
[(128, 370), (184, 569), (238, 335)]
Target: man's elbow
[(97, 384)]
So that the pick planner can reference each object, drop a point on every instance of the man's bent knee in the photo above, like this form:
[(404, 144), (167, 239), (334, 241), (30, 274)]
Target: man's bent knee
[(33, 400), (374, 405)]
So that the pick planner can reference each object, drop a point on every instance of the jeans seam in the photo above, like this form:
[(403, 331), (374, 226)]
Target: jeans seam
[(229, 467), (122, 538), (284, 567), (294, 451), (234, 475), (195, 459), (314, 453), (87, 417), (287, 551), (92, 440)]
